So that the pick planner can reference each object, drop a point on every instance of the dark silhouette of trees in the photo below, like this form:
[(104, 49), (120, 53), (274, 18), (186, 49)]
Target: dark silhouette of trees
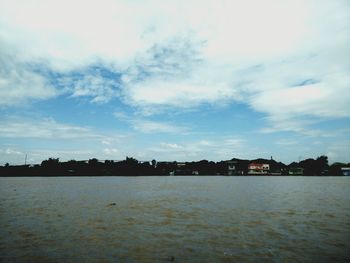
[(93, 162), (315, 167), (154, 163), (50, 163), (132, 167), (50, 167), (335, 168)]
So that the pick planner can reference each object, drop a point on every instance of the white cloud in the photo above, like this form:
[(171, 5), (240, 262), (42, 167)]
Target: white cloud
[(147, 126), (100, 89), (218, 149), (106, 142), (38, 155), (280, 63), (173, 93), (171, 145), (111, 151), (18, 83), (11, 151), (120, 115), (59, 138), (339, 151), (150, 126), (16, 154), (183, 54), (116, 31), (43, 129), (72, 34), (10, 155), (34, 156), (234, 142), (287, 142), (114, 138), (303, 92)]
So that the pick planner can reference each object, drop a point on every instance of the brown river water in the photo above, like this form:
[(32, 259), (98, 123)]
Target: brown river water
[(175, 219)]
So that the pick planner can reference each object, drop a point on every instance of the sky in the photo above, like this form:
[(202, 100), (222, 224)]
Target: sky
[(174, 80)]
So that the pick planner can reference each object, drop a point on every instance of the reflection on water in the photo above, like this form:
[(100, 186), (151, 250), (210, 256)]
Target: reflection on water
[(175, 219)]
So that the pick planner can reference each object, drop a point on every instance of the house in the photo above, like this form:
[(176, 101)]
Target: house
[(345, 171), (231, 167), (258, 168), (181, 164)]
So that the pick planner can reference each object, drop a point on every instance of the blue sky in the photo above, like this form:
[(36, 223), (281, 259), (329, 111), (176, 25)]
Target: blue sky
[(174, 80)]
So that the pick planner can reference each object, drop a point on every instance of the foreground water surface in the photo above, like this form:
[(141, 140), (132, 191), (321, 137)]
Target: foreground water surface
[(178, 219)]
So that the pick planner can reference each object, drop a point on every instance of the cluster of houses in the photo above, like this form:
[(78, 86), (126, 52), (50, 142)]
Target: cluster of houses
[(236, 167), (253, 168), (260, 169)]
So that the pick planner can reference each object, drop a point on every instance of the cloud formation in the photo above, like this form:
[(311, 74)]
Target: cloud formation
[(286, 61), (18, 83), (150, 126), (198, 149), (15, 127), (184, 60)]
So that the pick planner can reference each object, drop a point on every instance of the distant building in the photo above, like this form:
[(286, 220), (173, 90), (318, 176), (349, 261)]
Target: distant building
[(181, 169), (181, 164), (345, 171), (231, 167), (258, 168), (296, 171)]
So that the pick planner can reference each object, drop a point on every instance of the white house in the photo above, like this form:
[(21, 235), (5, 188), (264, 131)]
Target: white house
[(258, 168)]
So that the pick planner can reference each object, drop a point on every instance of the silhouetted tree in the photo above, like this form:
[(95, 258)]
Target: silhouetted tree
[(132, 167), (93, 162), (315, 167), (154, 163), (50, 163), (335, 169), (322, 165)]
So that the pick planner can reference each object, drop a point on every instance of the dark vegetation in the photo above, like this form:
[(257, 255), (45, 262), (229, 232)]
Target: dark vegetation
[(132, 167)]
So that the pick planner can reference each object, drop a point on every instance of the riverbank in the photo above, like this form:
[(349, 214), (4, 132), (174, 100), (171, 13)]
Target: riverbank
[(133, 167)]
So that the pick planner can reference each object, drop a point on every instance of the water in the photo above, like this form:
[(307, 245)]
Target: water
[(179, 219)]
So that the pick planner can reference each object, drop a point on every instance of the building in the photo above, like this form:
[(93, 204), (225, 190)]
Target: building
[(231, 167), (258, 168), (345, 171), (180, 164)]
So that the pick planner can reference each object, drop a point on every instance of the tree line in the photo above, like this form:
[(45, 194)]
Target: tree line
[(132, 167)]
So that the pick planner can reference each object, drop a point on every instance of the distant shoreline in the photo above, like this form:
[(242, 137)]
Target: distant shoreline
[(132, 167), (190, 175)]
